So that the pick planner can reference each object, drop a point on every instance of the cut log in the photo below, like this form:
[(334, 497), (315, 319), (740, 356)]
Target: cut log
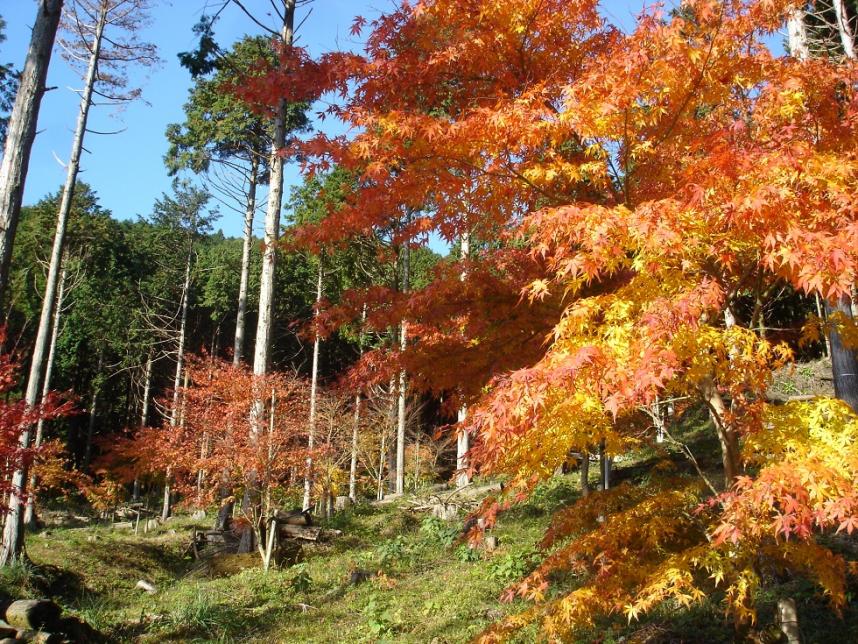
[(123, 525), (33, 614), (491, 542), (146, 586), (308, 533), (294, 517)]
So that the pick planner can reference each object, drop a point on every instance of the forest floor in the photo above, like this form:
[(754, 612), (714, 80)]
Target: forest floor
[(432, 588)]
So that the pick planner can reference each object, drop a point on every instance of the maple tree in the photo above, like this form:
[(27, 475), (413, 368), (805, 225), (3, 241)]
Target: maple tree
[(17, 416), (209, 452), (655, 190)]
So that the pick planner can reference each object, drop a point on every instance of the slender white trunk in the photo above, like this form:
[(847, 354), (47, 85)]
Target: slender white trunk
[(265, 319), (144, 415), (356, 425), (463, 439), (180, 364), (314, 382), (238, 347), (403, 382), (13, 534), (847, 38), (147, 388), (21, 130), (29, 514), (797, 34), (262, 349)]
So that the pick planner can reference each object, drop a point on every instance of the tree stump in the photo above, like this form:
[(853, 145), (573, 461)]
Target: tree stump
[(445, 511)]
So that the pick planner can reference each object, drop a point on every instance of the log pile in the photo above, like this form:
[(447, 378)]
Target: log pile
[(290, 528), (41, 621)]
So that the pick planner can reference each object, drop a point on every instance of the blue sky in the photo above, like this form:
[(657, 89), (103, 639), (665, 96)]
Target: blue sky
[(126, 169)]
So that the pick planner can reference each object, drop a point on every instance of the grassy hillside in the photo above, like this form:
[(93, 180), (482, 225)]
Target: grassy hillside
[(426, 587)]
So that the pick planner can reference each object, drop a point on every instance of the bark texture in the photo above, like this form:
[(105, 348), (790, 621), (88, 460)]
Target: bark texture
[(22, 128)]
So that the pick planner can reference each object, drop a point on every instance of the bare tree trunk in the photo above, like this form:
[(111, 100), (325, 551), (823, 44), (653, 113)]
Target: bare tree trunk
[(144, 415), (379, 494), (354, 454), (238, 347), (403, 381), (847, 38), (314, 383), (391, 427), (29, 513), (22, 129), (356, 425), (147, 389), (180, 364), (13, 536), (797, 34), (261, 354), (265, 319)]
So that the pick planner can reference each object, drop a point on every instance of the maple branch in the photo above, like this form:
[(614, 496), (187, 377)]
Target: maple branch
[(692, 91)]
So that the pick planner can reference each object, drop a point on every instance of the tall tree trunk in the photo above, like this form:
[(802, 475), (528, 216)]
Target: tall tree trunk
[(21, 131), (265, 319), (238, 346), (144, 415), (463, 439), (379, 494), (314, 383), (391, 428), (847, 38), (29, 513), (261, 354), (180, 364), (13, 535), (356, 424)]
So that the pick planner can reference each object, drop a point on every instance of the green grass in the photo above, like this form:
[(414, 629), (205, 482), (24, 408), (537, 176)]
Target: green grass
[(427, 586)]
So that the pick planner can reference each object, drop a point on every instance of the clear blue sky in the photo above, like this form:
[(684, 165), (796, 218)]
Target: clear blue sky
[(126, 170)]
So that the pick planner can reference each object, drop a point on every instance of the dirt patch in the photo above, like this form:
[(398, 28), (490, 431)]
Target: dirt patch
[(802, 379)]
